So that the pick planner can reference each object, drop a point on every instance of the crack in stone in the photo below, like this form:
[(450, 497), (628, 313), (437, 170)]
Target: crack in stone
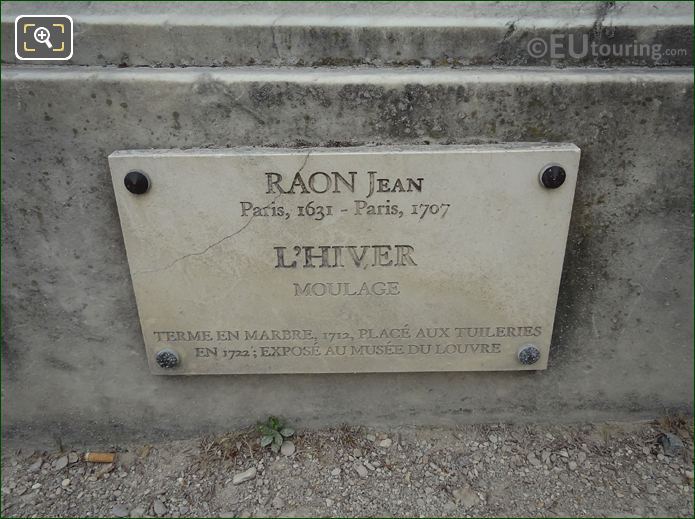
[(272, 33), (225, 238), (601, 13)]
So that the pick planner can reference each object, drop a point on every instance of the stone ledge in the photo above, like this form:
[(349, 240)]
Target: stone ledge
[(352, 75), (319, 34)]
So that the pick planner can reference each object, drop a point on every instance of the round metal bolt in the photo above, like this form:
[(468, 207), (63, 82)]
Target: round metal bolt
[(167, 358), (528, 354), (137, 182), (553, 177)]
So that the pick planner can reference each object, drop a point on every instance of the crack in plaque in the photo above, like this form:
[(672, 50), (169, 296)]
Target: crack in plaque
[(225, 238)]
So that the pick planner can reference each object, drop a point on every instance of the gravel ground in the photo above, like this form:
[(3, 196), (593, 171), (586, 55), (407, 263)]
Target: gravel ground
[(588, 470)]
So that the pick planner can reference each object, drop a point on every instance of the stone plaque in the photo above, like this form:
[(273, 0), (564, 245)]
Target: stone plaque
[(420, 258)]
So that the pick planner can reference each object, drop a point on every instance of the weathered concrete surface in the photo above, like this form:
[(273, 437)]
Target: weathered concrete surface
[(167, 34), (73, 359)]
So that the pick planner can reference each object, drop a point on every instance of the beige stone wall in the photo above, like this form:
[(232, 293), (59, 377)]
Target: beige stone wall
[(74, 363)]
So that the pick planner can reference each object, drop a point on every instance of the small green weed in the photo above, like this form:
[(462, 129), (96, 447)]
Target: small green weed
[(273, 433)]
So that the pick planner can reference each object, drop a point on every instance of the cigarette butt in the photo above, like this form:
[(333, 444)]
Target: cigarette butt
[(100, 457)]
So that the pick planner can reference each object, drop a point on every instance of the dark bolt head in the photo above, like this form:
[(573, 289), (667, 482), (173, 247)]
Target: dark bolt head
[(167, 358), (553, 177), (136, 182), (528, 354)]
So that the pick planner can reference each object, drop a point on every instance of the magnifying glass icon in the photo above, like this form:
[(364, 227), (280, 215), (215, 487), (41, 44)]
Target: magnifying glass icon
[(42, 35)]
